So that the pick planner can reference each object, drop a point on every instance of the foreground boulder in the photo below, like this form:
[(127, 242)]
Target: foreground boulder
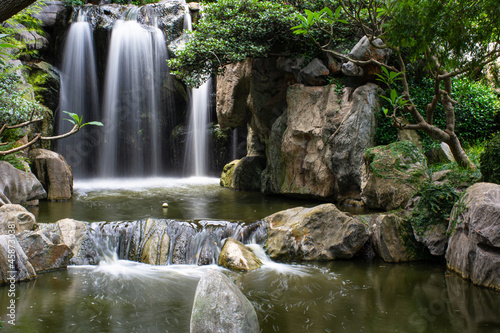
[(395, 172), (15, 219), (13, 259), (219, 306), (17, 186), (319, 233), (77, 236), (53, 172), (474, 246), (236, 256)]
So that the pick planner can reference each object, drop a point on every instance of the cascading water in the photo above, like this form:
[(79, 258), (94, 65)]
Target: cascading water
[(196, 159), (133, 101), (79, 94)]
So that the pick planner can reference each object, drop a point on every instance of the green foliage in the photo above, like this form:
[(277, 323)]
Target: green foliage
[(434, 207), (490, 161), (78, 120)]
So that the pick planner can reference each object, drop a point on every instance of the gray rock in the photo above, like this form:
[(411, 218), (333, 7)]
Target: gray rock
[(474, 246), (16, 219), (395, 173), (319, 233), (78, 237), (32, 39), (219, 306), (351, 69), (44, 248), (53, 172), (440, 154), (17, 186), (434, 238), (51, 13), (13, 259), (314, 74), (244, 174), (236, 256), (364, 50)]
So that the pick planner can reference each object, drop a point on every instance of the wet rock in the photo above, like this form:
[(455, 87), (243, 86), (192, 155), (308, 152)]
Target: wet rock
[(13, 259), (319, 233), (244, 174), (219, 306), (395, 172), (53, 172), (474, 246), (76, 235), (17, 186), (45, 249), (15, 218), (47, 83), (434, 238), (392, 239), (156, 249), (236, 256)]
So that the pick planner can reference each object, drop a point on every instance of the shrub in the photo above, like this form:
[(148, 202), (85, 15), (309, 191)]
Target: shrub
[(490, 161)]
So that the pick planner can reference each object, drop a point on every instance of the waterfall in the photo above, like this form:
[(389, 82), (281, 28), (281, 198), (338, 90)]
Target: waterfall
[(196, 160), (79, 94), (133, 103)]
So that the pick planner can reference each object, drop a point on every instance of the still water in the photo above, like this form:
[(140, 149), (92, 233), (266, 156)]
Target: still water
[(341, 296)]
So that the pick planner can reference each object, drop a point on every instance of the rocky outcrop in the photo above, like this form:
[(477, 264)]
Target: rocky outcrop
[(53, 172), (219, 306), (395, 171), (51, 13), (17, 186), (236, 256), (392, 239), (78, 237), (14, 265), (15, 219), (319, 233), (474, 246), (45, 249), (244, 174)]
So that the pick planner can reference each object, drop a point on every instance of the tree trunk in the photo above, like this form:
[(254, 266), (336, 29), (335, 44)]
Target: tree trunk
[(8, 8), (459, 153)]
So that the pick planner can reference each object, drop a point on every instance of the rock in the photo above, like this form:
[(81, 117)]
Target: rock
[(333, 65), (16, 219), (351, 69), (51, 13), (194, 6), (354, 133), (314, 74), (17, 186), (474, 246), (364, 50), (53, 172), (31, 38), (155, 251), (44, 248), (434, 238), (10, 249), (78, 237), (440, 154), (392, 239), (236, 256), (395, 172), (244, 174), (319, 233), (274, 175), (219, 306), (46, 80)]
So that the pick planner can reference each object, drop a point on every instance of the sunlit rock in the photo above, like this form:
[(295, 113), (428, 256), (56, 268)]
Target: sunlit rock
[(155, 251), (236, 256), (219, 306), (244, 174), (53, 172), (15, 219), (14, 265), (474, 246), (319, 233)]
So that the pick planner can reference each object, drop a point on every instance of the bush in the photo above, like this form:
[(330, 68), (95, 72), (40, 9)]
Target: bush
[(490, 161)]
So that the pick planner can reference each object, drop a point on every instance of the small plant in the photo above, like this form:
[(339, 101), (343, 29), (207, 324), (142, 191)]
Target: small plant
[(490, 161), (78, 120)]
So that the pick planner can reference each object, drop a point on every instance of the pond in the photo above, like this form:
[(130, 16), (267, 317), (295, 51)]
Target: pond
[(341, 296)]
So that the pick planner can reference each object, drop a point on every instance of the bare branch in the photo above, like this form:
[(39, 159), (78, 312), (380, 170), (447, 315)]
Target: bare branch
[(62, 136), (15, 150)]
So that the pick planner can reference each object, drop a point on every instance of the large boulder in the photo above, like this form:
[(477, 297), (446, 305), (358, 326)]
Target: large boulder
[(15, 219), (395, 173), (14, 265), (244, 174), (392, 239), (236, 256), (17, 186), (319, 233), (53, 172), (78, 237), (474, 246), (219, 306), (45, 249), (51, 13)]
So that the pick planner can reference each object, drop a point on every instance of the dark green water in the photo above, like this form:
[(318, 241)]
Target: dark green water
[(340, 296)]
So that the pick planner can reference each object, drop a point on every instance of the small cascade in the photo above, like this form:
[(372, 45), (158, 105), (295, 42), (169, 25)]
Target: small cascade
[(164, 242), (196, 159), (79, 94), (133, 103)]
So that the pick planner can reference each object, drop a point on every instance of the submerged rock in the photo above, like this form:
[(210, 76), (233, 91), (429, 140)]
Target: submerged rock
[(219, 306), (17, 186), (14, 265), (15, 218), (236, 256), (53, 172), (474, 246), (319, 233)]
